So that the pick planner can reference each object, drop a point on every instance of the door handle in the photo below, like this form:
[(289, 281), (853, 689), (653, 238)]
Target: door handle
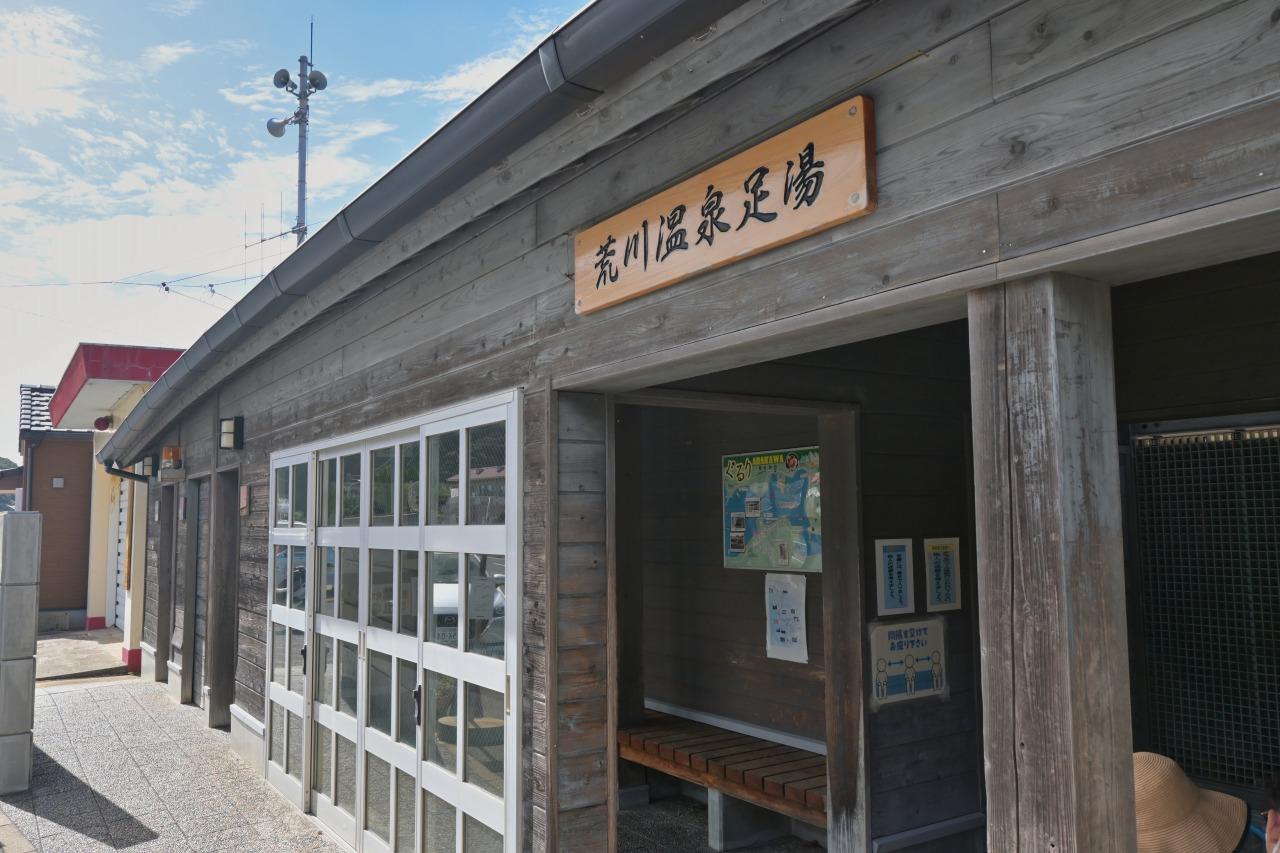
[(302, 653), (417, 704)]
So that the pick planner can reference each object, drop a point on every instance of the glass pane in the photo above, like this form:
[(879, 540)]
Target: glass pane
[(381, 589), (280, 581), (344, 780), (347, 681), (409, 483), (484, 739), (300, 495), (478, 838), (322, 775), (279, 653), (407, 603), (296, 652), (439, 825), (327, 590), (282, 497), (329, 493), (380, 692), (351, 490), (406, 814), (294, 767), (322, 660), (487, 474), (277, 734), (486, 604), (377, 796), (382, 505), (439, 723), (407, 723), (442, 595), (442, 479), (349, 584), (298, 578)]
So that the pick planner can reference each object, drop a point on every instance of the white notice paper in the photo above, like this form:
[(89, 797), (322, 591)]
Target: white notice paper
[(784, 615)]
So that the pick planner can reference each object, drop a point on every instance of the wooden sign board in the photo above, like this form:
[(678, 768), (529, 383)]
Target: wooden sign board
[(804, 180)]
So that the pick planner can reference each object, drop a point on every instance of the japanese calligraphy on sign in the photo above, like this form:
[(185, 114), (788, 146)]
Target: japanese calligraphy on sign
[(806, 179), (895, 584), (942, 574), (908, 661)]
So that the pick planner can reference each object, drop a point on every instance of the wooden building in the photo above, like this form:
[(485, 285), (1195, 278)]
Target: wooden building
[(1033, 347)]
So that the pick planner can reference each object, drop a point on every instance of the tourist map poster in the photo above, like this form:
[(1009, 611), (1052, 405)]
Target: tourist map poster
[(772, 510), (908, 661)]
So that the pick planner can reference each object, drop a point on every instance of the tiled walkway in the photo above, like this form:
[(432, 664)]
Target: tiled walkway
[(119, 766)]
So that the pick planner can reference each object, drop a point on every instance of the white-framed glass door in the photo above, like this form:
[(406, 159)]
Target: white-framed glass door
[(412, 724), (288, 576)]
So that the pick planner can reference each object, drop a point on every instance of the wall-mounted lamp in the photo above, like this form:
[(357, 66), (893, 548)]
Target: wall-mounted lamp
[(231, 433), (171, 457), (102, 423)]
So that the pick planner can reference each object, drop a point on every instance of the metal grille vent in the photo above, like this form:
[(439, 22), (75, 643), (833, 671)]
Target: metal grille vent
[(1208, 519)]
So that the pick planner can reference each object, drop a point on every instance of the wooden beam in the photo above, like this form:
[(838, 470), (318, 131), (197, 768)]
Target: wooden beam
[(842, 622), (1050, 567)]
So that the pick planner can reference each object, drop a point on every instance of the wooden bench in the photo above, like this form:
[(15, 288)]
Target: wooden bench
[(779, 778)]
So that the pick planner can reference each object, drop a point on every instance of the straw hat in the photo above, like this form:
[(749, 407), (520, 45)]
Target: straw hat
[(1175, 816)]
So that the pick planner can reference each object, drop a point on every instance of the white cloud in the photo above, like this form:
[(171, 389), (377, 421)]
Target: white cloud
[(259, 96), (46, 64), (177, 8), (465, 82), (160, 56)]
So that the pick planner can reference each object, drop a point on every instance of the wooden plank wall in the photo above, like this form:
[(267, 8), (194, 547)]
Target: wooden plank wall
[(1199, 344), (582, 741), (912, 388), (703, 625), (1003, 127), (535, 629)]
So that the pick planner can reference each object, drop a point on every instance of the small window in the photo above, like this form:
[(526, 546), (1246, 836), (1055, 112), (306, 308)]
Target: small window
[(409, 478), (351, 490), (379, 675), (323, 677), (327, 588), (382, 462), (381, 589), (486, 604), (442, 479), (485, 721), (439, 825), (348, 678), (439, 720), (280, 579), (349, 584), (442, 599), (407, 594), (282, 497), (322, 776), (328, 498), (487, 474), (300, 495), (298, 578), (406, 707)]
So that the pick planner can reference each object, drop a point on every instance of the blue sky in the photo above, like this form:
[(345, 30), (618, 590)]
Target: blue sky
[(133, 148)]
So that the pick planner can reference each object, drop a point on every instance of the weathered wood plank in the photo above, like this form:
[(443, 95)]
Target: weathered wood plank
[(1046, 38), (842, 609), (1048, 522), (1205, 164)]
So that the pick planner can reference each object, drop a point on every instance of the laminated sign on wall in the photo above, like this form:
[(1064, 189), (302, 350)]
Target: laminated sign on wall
[(908, 661), (784, 613), (772, 510), (942, 573)]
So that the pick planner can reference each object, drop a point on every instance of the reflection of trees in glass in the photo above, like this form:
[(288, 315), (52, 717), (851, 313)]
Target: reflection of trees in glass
[(442, 482), (351, 489), (382, 463), (282, 497), (409, 454)]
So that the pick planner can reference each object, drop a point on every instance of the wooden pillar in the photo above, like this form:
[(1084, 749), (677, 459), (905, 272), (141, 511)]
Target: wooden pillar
[(842, 623), (1055, 678), (224, 571)]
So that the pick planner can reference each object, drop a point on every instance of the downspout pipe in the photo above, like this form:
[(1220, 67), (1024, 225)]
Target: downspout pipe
[(125, 475)]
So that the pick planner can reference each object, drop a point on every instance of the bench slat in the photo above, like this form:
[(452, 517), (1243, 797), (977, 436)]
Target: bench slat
[(816, 798), (705, 760), (680, 752), (737, 771), (718, 765), (688, 753), (798, 790), (776, 784)]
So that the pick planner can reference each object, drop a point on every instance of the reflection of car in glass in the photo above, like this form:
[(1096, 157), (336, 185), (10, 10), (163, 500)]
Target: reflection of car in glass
[(489, 641)]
